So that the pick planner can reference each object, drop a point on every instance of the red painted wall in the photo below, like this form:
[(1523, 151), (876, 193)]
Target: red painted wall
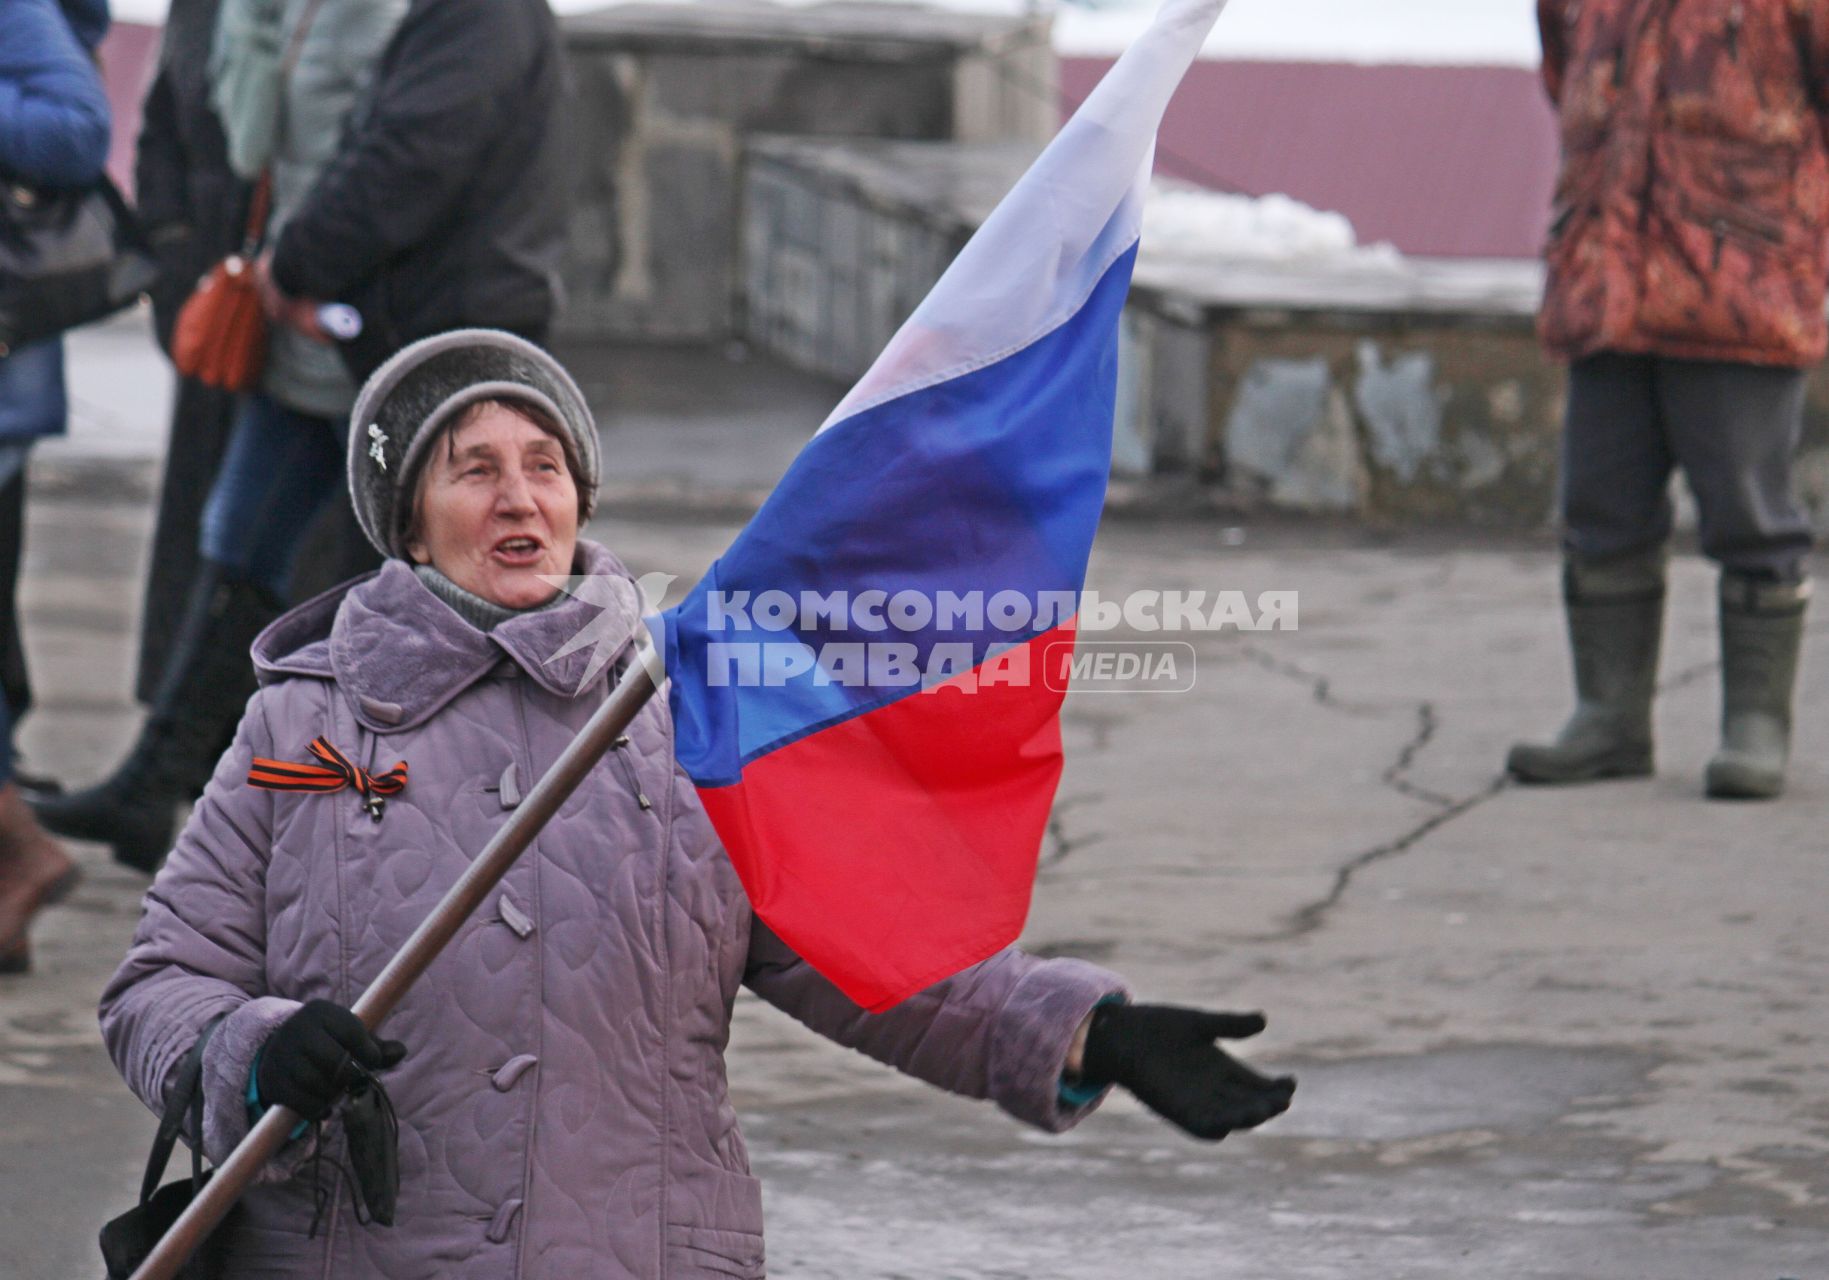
[(1456, 161), (127, 56)]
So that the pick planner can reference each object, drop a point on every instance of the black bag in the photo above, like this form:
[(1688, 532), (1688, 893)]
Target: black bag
[(374, 1149), (129, 1238), (67, 256)]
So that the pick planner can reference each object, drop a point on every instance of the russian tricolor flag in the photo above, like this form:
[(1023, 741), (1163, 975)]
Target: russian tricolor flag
[(860, 685)]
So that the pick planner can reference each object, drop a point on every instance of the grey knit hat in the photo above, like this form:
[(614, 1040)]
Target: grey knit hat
[(422, 387)]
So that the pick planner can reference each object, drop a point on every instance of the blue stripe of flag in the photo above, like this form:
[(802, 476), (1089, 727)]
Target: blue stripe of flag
[(987, 482)]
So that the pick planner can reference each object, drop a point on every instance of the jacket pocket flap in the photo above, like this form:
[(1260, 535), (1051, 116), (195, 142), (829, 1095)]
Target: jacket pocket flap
[(707, 1251)]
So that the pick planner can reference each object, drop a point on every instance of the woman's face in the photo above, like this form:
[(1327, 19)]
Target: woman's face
[(496, 509)]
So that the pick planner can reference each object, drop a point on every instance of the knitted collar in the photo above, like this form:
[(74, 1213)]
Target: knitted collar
[(400, 651), (484, 615)]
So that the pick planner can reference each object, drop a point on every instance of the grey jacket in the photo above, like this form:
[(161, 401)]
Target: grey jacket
[(563, 1111), (296, 129)]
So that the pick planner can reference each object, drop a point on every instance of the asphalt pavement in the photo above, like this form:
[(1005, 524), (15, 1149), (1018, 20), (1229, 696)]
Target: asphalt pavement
[(1554, 1034)]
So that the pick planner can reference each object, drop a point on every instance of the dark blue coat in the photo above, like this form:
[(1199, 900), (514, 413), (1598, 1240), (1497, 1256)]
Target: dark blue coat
[(53, 132), (53, 112)]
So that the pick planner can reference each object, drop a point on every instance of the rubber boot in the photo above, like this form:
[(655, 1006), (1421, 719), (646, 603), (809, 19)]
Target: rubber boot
[(1615, 611), (207, 683), (1762, 630), (34, 873)]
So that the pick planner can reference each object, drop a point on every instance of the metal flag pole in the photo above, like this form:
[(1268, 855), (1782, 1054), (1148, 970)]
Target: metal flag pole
[(265, 1139)]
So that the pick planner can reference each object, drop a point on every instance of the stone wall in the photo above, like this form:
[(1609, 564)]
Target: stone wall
[(666, 96), (1409, 391), (1400, 390), (842, 241)]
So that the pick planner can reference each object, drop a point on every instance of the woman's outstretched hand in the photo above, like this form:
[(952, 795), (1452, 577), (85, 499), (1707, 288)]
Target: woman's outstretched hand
[(1167, 1057), (310, 1060)]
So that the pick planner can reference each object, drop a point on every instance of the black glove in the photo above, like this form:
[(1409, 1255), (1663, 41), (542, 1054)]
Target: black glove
[(310, 1061), (1166, 1056)]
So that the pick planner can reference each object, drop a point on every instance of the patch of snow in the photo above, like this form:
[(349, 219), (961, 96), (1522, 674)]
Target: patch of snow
[(1184, 221)]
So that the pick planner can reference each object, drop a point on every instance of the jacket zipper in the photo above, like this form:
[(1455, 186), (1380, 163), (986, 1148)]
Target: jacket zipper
[(619, 749), (539, 1021), (1744, 230)]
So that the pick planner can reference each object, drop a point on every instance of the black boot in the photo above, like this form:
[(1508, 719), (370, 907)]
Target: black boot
[(208, 680), (1762, 630), (1616, 617)]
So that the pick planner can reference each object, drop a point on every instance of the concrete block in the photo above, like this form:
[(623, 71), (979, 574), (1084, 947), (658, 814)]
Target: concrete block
[(1289, 436), (1409, 392), (600, 218), (1011, 93), (1459, 428), (1401, 408), (1180, 402), (683, 288), (1501, 418), (669, 93), (877, 224), (1129, 440), (1165, 400)]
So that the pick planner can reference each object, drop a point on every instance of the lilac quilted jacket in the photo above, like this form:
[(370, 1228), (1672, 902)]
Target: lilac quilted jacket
[(563, 1111)]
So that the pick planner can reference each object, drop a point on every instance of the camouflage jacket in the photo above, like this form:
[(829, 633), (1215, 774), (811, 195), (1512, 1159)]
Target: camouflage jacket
[(1691, 215)]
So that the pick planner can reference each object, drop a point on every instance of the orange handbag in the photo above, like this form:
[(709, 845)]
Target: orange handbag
[(220, 338)]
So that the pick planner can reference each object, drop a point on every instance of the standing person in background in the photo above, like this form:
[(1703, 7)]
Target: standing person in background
[(53, 133), (444, 207), (1688, 262), (194, 207), (194, 211), (284, 76)]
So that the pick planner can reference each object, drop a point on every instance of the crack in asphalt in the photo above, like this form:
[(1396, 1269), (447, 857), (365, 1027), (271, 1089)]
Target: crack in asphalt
[(1396, 776), (1062, 846), (1059, 844), (1307, 919), (1321, 688), (1688, 676), (1311, 917)]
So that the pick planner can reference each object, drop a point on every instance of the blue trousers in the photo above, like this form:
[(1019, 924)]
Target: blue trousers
[(280, 469)]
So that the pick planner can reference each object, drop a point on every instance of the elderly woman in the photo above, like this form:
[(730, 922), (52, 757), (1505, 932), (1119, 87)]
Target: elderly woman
[(561, 1105)]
